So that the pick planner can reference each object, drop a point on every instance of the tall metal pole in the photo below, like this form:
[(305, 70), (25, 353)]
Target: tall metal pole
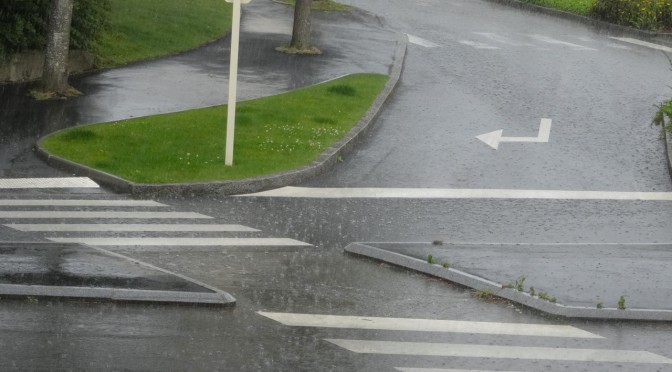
[(233, 81)]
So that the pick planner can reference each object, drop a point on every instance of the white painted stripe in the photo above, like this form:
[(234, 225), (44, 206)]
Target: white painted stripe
[(504, 352), (427, 325), (79, 203), (183, 241), (99, 214), (550, 40), (404, 193), (643, 43), (446, 370), (478, 45), (420, 41), (502, 39), (46, 183), (130, 227)]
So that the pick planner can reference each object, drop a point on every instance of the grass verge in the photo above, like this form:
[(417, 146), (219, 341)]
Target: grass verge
[(144, 29), (581, 7), (327, 5), (273, 134)]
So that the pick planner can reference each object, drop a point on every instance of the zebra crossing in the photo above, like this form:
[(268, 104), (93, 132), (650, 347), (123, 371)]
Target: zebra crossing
[(116, 222), (498, 41), (495, 348)]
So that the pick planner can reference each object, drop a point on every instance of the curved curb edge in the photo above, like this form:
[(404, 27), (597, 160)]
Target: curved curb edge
[(327, 160), (481, 284)]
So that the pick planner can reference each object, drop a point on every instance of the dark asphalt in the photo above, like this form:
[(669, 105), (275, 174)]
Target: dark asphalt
[(323, 280)]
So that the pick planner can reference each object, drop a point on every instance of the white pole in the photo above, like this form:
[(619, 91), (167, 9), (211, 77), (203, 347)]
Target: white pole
[(233, 77)]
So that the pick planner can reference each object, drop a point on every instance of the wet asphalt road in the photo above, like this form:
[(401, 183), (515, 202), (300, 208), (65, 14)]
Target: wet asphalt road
[(600, 101)]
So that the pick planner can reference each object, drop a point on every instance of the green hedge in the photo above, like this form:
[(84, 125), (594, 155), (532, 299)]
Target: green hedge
[(23, 24), (655, 15)]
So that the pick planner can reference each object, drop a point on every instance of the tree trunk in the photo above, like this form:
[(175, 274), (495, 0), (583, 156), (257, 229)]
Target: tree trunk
[(55, 72), (301, 30)]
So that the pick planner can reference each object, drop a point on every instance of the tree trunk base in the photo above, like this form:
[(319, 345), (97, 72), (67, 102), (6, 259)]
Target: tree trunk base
[(291, 50), (40, 94)]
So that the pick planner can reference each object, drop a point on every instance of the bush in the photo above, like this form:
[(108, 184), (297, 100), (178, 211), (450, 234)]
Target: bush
[(23, 24), (652, 15)]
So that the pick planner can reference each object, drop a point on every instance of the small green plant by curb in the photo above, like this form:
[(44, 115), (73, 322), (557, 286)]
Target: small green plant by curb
[(445, 264), (621, 303), (546, 297), (431, 260), (532, 291), (600, 305), (437, 242), (32, 300), (483, 294)]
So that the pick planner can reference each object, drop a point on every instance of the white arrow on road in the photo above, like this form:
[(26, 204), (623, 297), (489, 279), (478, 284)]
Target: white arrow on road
[(493, 139)]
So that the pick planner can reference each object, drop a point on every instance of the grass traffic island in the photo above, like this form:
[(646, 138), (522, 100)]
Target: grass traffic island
[(273, 134)]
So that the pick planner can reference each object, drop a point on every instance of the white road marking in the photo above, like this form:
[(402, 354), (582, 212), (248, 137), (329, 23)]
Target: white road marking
[(503, 352), (549, 40), (478, 45), (502, 39), (99, 214), (493, 139), (427, 325), (47, 183), (200, 242), (420, 41), (446, 370), (408, 193), (79, 203), (643, 43), (130, 227)]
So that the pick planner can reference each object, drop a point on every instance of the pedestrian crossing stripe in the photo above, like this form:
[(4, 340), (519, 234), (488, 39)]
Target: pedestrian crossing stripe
[(78, 203), (122, 227), (100, 214), (499, 352), (188, 242), (427, 325), (47, 183)]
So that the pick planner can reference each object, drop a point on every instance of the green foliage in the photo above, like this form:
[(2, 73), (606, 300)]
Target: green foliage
[(663, 116), (600, 305), (484, 294), (532, 291), (24, 24), (431, 260), (575, 6), (643, 14), (446, 264), (621, 303)]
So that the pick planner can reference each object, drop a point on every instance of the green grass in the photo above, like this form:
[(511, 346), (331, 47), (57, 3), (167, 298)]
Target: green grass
[(273, 134), (143, 29), (575, 6), (327, 5)]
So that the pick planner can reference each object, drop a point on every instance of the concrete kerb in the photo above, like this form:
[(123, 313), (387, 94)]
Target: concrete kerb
[(327, 160), (496, 289), (665, 38), (216, 297)]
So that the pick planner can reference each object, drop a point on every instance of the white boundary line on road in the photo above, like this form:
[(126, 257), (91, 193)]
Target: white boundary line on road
[(427, 325), (419, 193), (642, 43), (404, 369), (47, 183), (503, 352)]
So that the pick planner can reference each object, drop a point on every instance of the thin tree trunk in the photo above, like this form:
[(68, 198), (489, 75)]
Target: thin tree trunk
[(55, 73), (301, 30)]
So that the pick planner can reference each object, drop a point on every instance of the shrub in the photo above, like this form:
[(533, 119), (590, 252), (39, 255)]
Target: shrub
[(653, 15), (23, 24)]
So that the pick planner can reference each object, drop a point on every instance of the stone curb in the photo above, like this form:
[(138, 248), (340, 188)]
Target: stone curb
[(665, 38), (668, 150), (327, 160), (481, 284), (216, 298)]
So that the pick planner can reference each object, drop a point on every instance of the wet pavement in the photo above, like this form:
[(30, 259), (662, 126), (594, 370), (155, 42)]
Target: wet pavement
[(351, 42)]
